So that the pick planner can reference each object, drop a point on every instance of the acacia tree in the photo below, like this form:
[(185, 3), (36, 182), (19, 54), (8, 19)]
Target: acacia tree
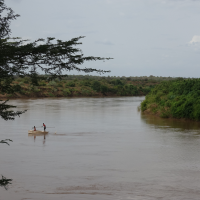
[(23, 58)]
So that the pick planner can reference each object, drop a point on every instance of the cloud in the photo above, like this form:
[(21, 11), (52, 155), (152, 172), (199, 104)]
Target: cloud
[(195, 40)]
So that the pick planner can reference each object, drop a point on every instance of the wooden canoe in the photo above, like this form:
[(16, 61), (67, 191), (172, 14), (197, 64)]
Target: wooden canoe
[(37, 132)]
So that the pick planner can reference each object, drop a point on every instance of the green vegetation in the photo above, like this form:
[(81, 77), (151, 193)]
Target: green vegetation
[(82, 86), (177, 99)]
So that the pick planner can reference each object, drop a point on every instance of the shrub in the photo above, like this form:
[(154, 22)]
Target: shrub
[(20, 83), (179, 99), (22, 91), (51, 95), (117, 82), (86, 82), (113, 90), (36, 89), (17, 88), (130, 89), (60, 84), (71, 84), (66, 92), (52, 83), (26, 80), (96, 85), (86, 92), (42, 83), (103, 89)]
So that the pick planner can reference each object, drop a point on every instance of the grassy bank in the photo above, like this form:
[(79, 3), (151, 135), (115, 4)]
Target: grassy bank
[(178, 99), (79, 86)]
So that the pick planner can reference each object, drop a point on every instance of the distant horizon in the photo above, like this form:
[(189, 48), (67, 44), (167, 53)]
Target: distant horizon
[(112, 76)]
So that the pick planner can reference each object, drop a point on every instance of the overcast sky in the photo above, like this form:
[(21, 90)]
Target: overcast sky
[(145, 37)]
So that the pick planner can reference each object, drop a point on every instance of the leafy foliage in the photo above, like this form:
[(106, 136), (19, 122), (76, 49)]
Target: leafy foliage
[(96, 85), (7, 114), (93, 86), (4, 182), (178, 99), (70, 84)]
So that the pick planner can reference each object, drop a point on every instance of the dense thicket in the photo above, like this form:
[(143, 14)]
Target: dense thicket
[(81, 86), (177, 99)]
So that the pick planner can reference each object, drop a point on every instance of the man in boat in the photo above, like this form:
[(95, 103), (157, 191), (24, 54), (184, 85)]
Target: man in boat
[(34, 128), (44, 127)]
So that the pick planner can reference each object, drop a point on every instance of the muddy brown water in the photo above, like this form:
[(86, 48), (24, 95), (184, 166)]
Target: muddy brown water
[(103, 149)]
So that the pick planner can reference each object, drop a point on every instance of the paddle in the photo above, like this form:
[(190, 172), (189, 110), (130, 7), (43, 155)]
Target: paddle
[(42, 126)]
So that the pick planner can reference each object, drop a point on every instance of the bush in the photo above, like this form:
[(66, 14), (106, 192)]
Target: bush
[(52, 83), (26, 80), (86, 92), (17, 88), (121, 86), (130, 89), (178, 99), (51, 95), (96, 85), (21, 83), (36, 89), (60, 84), (117, 82), (42, 83), (103, 89), (66, 92), (85, 83), (70, 84)]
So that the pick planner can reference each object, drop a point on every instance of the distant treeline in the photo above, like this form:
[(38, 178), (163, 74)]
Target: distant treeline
[(150, 78), (79, 85), (176, 99)]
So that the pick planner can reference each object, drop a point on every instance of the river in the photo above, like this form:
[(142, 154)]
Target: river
[(100, 149)]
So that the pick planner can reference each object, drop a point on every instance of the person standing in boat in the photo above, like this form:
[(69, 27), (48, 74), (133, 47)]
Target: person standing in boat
[(44, 127), (34, 128)]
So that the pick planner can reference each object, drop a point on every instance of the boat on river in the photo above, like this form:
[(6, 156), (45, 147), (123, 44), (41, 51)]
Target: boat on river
[(37, 132)]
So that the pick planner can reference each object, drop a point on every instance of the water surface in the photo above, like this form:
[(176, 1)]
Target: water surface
[(103, 149)]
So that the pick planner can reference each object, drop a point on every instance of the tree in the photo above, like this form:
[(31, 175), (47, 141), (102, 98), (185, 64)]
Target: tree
[(42, 59)]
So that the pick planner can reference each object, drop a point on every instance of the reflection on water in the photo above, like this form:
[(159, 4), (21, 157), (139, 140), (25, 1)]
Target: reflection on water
[(176, 124), (38, 135), (101, 148)]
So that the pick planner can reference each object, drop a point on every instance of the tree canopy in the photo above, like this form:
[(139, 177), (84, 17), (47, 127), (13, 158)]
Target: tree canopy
[(41, 59)]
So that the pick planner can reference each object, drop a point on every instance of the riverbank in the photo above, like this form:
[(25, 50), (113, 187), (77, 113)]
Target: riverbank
[(178, 99), (81, 87)]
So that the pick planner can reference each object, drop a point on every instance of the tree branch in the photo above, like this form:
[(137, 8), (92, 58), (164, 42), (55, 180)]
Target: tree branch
[(4, 182)]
